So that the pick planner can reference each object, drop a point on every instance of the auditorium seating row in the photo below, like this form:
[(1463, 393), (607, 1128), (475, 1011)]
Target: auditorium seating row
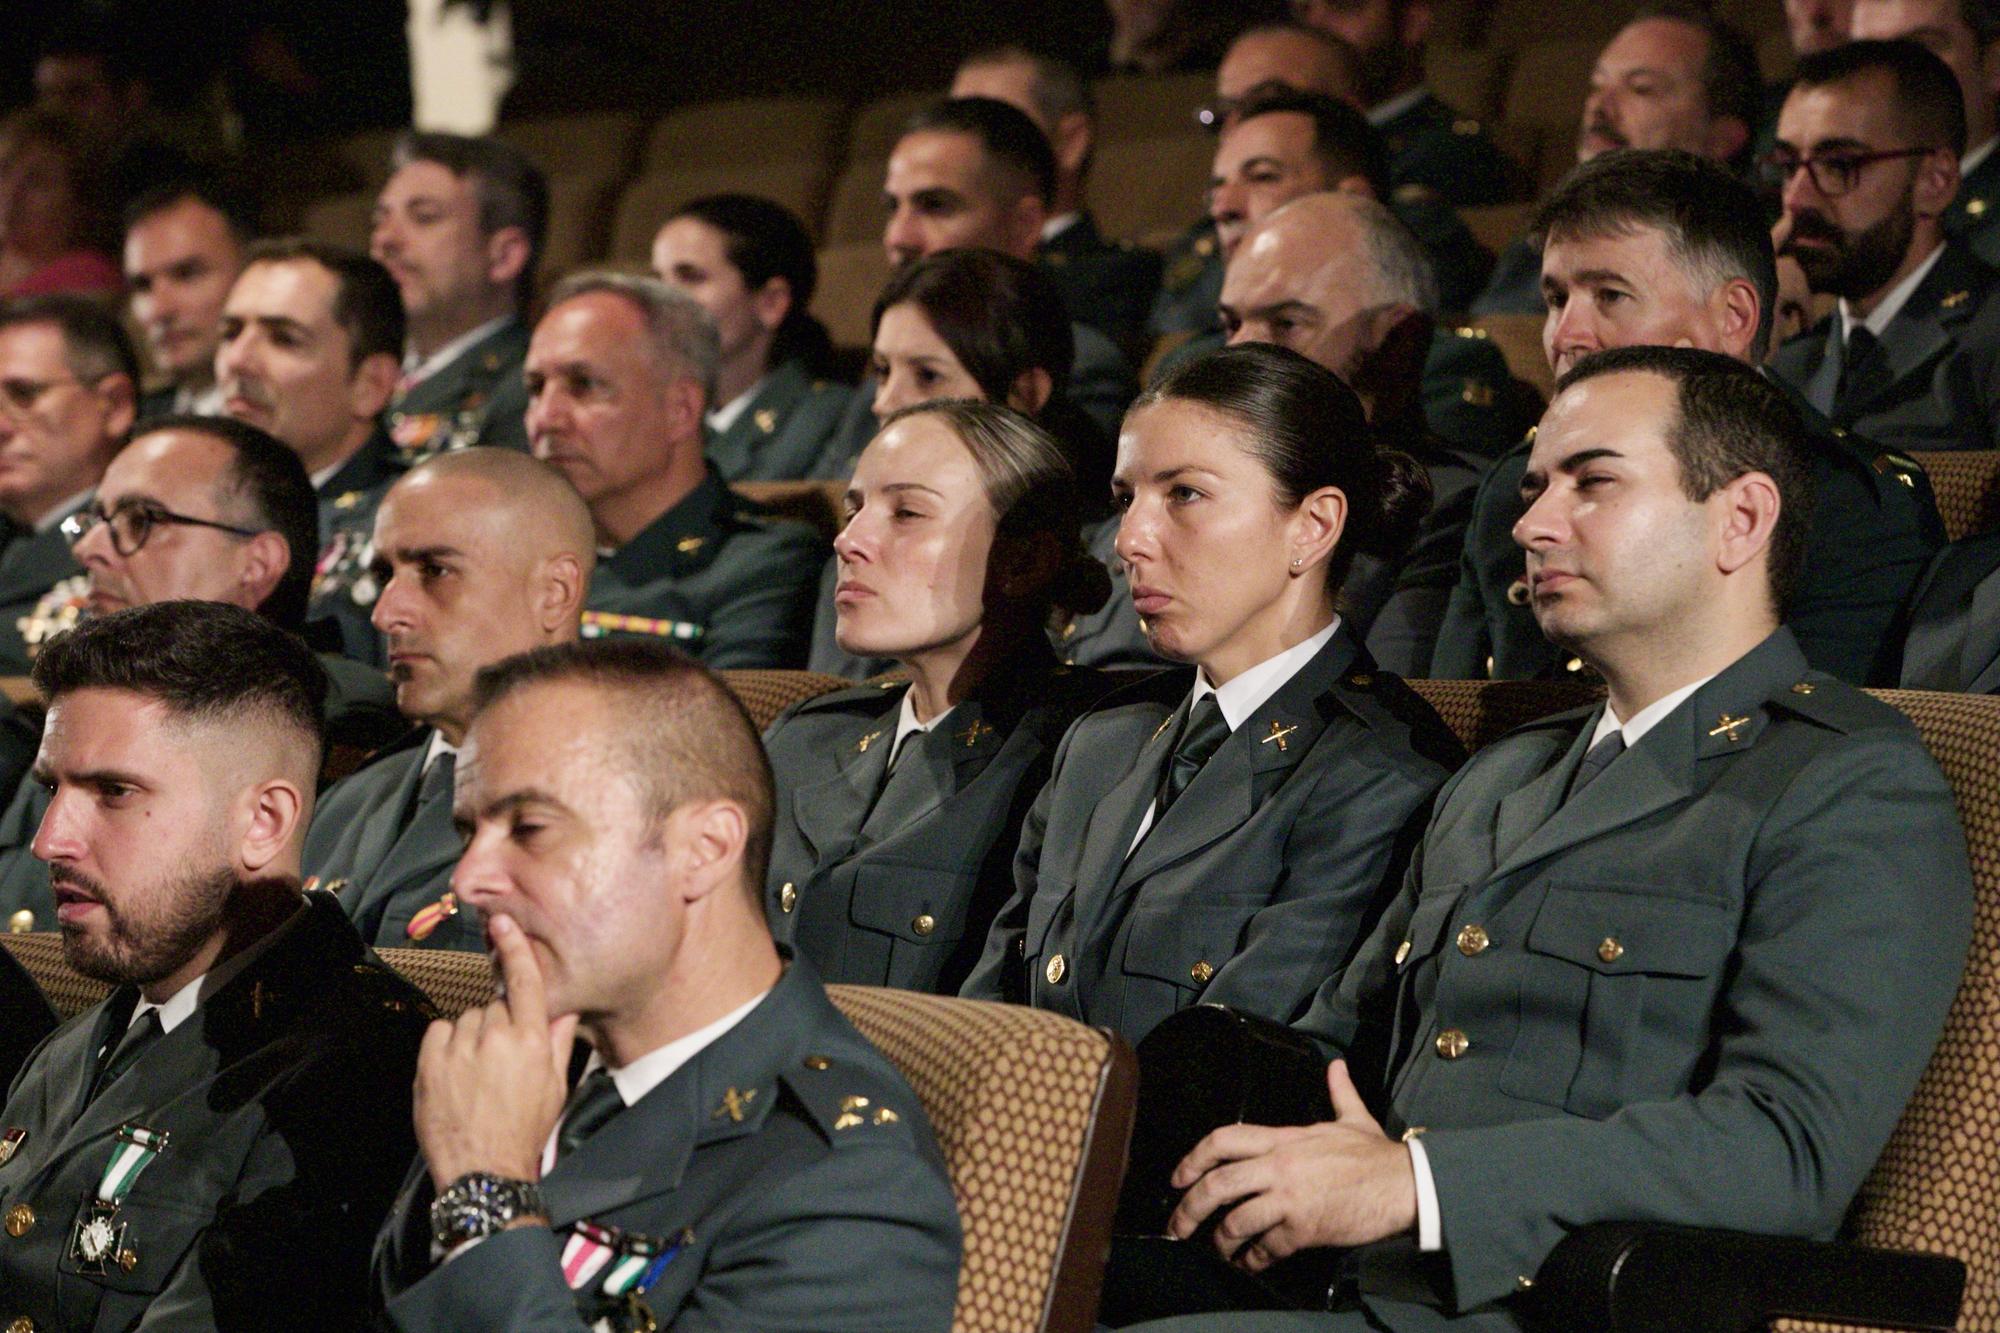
[(1034, 1112)]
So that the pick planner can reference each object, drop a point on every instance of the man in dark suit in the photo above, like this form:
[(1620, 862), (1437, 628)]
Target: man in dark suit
[(1867, 156), (735, 1154), (479, 554), (460, 225), (211, 1146), (1108, 285), (620, 373), (1762, 860), (1663, 247), (71, 381), (311, 336), (1964, 34)]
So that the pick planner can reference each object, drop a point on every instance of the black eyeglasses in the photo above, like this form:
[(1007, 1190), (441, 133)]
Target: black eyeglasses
[(131, 524), (1833, 174)]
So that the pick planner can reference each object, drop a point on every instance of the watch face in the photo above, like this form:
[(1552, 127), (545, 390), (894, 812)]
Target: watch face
[(480, 1204)]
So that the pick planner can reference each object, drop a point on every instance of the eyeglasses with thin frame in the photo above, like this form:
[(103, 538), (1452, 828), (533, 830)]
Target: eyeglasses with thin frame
[(133, 523), (1833, 174)]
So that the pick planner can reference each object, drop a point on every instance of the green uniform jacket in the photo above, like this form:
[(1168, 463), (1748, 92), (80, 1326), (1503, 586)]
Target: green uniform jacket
[(715, 576), (1443, 153), (285, 1099), (1256, 885), (1108, 285), (783, 432), (1974, 216), (1111, 636), (388, 855), (1952, 641), (344, 590), (1700, 991), (478, 397), (792, 1214), (901, 891), (31, 564), (1875, 526), (1515, 285), (1938, 386)]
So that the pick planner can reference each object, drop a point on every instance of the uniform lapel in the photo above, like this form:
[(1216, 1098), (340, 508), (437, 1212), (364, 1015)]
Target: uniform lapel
[(31, 565), (1924, 329), (428, 841), (1528, 807), (378, 833), (1116, 817), (829, 812), (922, 779)]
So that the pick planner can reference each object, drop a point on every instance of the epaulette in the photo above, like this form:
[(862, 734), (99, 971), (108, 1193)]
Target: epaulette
[(867, 695), (1372, 694), (1834, 704), (1900, 466), (852, 1104)]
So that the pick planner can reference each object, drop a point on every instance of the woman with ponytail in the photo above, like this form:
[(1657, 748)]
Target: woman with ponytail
[(1227, 834), (750, 264), (899, 806)]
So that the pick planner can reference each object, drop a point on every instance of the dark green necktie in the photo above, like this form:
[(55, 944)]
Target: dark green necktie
[(1596, 760), (136, 1041), (1203, 735), (593, 1103)]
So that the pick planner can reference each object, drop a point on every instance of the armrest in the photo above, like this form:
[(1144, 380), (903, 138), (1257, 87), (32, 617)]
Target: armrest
[(1631, 1277)]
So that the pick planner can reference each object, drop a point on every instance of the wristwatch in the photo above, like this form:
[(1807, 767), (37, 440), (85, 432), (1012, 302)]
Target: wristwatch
[(478, 1204)]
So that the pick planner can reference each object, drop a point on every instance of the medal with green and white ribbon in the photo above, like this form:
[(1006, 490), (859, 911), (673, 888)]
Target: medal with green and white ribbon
[(99, 1235)]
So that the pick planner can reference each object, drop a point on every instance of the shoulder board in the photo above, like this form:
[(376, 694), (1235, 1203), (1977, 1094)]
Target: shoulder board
[(851, 1103), (858, 697), (1374, 695), (1163, 685), (1834, 704)]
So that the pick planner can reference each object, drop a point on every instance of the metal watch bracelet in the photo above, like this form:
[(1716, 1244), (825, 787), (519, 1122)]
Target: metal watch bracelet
[(478, 1204)]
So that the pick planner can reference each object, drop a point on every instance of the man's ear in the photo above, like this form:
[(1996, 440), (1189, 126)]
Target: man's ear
[(559, 594), (1737, 314), (708, 844), (1030, 391), (274, 811), (1750, 506), (1073, 140), (771, 303), (1936, 184), (266, 557), (1024, 223), (1726, 137), (373, 385), (507, 254)]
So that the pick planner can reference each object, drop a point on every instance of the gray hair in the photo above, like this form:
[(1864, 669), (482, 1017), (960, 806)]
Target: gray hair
[(1402, 271), (684, 337)]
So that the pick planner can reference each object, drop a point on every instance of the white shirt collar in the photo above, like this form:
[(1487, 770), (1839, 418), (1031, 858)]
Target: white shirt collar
[(1056, 226), (1246, 693), (1383, 112), (1646, 718), (325, 474), (180, 1006), (62, 511), (722, 418), (907, 724), (207, 403), (416, 371), (439, 745), (1892, 305), (1976, 157)]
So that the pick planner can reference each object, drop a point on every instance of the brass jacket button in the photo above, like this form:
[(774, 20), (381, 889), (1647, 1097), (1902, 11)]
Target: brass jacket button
[(1054, 971), (1452, 1043), (1201, 972), (924, 924), (1611, 950), (20, 1220), (21, 922), (22, 1325), (1472, 941), (788, 898)]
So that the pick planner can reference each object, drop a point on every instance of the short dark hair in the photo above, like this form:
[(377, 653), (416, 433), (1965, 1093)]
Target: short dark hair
[(1983, 18), (1729, 420), (366, 303), (999, 315), (95, 343), (1308, 430), (1925, 91), (684, 737), (273, 494), (1712, 221), (762, 240), (1005, 133), (202, 188), (1730, 78), (204, 661), (1343, 140), (512, 190)]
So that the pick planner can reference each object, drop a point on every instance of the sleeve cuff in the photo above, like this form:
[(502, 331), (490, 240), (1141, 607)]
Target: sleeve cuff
[(1430, 1227)]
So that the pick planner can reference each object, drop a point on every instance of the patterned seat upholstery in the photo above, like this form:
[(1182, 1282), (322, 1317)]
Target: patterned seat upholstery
[(765, 694), (1967, 482), (1480, 712)]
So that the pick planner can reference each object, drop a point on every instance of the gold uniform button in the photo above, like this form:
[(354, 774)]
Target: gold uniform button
[(1611, 950), (21, 922), (924, 924), (1524, 1283), (1472, 941), (816, 1062), (1201, 972), (1452, 1043), (1054, 971), (788, 898), (1803, 687), (1402, 952), (20, 1220), (22, 1325)]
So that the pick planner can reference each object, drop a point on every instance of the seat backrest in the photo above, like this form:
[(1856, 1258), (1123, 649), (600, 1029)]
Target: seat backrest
[(1147, 106), (877, 125), (1967, 482), (800, 185), (1465, 78), (854, 203), (744, 129), (1519, 338), (69, 991), (1480, 712), (765, 694), (343, 219), (1497, 226), (584, 143), (819, 503), (1143, 185), (577, 225), (1034, 1115), (850, 278)]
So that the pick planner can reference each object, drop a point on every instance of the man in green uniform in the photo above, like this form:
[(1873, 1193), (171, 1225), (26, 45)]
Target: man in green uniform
[(1762, 860), (1106, 284), (1432, 147), (211, 1146), (459, 225), (1675, 77), (735, 1155), (1867, 158), (184, 247), (71, 380), (619, 377), (1965, 34), (311, 334), (479, 554), (1664, 247)]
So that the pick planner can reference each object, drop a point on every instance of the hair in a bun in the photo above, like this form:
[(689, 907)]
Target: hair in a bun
[(1308, 430)]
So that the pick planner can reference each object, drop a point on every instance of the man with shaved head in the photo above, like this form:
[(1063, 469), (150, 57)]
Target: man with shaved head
[(479, 554)]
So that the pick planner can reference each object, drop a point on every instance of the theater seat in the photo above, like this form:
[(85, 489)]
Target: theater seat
[(877, 125), (766, 693), (1496, 226), (345, 219), (1519, 338), (1145, 185), (1149, 106), (850, 278), (798, 185), (854, 204), (816, 502), (1967, 482), (587, 143), (742, 130)]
